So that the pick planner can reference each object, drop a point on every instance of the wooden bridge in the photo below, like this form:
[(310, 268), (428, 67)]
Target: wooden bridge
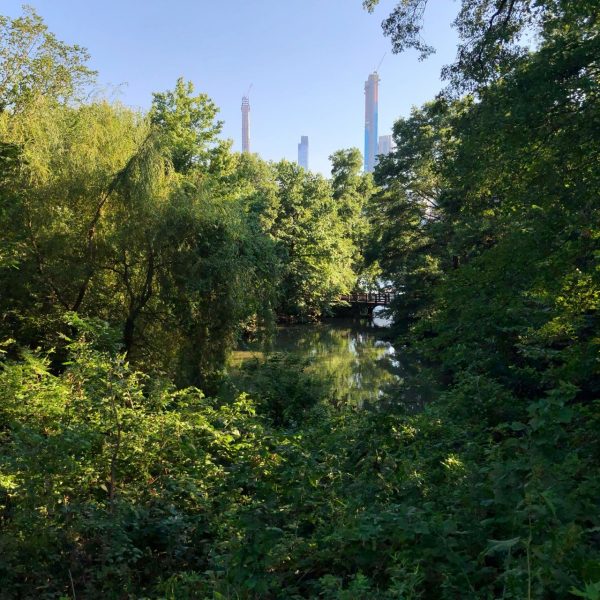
[(371, 299)]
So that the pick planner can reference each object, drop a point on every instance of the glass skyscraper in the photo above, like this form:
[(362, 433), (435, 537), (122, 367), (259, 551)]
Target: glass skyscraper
[(386, 144), (303, 152)]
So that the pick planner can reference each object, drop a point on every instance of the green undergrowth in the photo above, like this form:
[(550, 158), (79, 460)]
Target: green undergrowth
[(116, 486)]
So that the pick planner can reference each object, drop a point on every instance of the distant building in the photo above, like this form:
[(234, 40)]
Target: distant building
[(245, 124), (371, 110), (303, 152), (386, 145)]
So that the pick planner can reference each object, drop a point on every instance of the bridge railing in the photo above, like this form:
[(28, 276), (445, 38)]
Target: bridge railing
[(381, 298)]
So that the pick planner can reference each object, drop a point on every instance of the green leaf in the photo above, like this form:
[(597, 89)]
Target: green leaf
[(501, 545)]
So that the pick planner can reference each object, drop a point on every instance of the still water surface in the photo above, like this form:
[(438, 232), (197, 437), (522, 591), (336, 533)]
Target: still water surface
[(352, 354)]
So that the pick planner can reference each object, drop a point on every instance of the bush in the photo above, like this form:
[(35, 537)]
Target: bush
[(284, 388)]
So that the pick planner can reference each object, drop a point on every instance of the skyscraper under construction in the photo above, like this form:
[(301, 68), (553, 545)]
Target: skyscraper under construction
[(371, 109), (245, 124)]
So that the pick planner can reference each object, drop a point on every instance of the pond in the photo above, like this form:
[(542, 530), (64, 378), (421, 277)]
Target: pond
[(353, 354)]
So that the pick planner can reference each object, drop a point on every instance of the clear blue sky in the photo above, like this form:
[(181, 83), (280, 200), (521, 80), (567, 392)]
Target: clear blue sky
[(307, 59)]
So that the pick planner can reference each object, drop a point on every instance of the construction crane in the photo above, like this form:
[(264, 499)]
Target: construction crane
[(248, 92), (379, 65)]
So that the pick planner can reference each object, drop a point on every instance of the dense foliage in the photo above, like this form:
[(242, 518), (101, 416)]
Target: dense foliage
[(137, 247), (149, 221)]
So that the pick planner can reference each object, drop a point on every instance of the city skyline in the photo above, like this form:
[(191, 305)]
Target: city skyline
[(303, 87), (384, 145)]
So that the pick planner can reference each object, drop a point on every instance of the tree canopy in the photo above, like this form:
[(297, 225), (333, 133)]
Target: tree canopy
[(34, 63), (495, 35)]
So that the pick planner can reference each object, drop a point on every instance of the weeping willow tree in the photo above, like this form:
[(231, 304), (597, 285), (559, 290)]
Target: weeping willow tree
[(100, 222), (71, 163)]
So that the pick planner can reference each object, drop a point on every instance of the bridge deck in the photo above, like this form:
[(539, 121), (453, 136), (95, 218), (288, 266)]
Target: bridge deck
[(381, 299)]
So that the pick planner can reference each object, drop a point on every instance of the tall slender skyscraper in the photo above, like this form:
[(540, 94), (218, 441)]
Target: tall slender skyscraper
[(245, 124), (371, 109), (303, 152)]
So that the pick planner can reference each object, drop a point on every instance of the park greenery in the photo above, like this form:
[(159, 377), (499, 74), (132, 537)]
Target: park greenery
[(137, 249)]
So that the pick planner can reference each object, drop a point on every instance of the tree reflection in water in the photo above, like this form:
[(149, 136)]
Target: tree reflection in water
[(352, 354)]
